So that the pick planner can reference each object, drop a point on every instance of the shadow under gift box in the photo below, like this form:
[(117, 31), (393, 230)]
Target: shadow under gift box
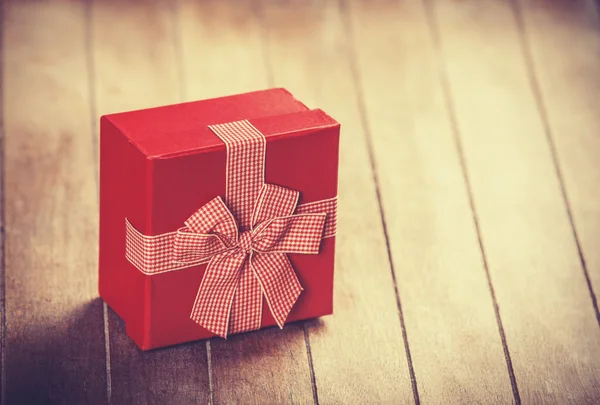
[(160, 165)]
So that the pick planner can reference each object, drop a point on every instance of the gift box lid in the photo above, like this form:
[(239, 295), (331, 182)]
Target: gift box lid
[(185, 125)]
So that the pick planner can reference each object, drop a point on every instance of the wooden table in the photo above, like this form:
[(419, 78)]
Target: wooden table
[(468, 262)]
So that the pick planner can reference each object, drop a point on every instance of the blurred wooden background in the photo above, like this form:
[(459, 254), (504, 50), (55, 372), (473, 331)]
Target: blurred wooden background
[(468, 249)]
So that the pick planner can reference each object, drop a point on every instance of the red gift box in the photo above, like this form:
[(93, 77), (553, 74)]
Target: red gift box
[(217, 216)]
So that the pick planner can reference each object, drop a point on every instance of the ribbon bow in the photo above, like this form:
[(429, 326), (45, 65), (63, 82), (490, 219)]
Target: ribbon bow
[(247, 263)]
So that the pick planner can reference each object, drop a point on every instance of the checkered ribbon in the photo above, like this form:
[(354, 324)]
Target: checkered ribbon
[(245, 240)]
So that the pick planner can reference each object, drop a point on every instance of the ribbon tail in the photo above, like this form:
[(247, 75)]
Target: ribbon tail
[(246, 311), (279, 283), (213, 303)]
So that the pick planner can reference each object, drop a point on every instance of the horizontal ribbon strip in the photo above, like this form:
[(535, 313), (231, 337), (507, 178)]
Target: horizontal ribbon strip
[(153, 254)]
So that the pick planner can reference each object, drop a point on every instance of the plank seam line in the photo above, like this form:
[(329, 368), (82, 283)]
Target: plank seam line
[(541, 107), (352, 59), (107, 352), (211, 392), (445, 84), (89, 59), (311, 367), (2, 222)]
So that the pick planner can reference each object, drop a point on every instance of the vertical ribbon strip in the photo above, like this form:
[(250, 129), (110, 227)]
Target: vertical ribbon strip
[(246, 149)]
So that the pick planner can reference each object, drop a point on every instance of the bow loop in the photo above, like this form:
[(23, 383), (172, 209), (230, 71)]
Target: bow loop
[(214, 218), (291, 234), (190, 247), (272, 202)]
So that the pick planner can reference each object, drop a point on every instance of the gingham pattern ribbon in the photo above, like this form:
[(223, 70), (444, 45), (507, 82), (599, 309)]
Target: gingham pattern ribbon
[(245, 241)]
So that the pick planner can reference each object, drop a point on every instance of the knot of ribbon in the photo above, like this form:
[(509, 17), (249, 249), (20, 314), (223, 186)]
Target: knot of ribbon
[(238, 256)]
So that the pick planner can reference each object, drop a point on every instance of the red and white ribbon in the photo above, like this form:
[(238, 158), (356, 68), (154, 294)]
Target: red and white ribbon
[(245, 240)]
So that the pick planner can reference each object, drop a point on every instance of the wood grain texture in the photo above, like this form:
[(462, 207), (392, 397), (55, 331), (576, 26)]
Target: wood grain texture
[(135, 66), (265, 367), (550, 324), (456, 349), (221, 48), (223, 54), (358, 353), (564, 43), (55, 342)]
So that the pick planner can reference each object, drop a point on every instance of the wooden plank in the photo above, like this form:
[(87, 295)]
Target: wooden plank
[(452, 330), (135, 66), (55, 346), (550, 324), (269, 366), (364, 336), (309, 52), (564, 49)]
